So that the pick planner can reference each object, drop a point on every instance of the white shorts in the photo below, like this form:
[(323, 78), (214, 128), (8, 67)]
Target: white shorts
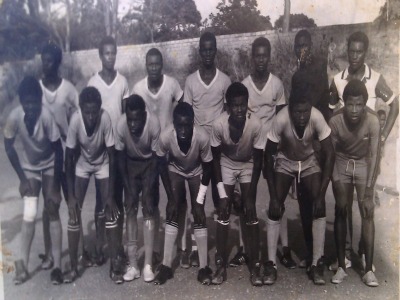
[(84, 170), (37, 175), (231, 177)]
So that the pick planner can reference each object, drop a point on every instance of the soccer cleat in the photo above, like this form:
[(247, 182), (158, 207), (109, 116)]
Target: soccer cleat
[(148, 274), (255, 276), (204, 275), (270, 273), (117, 268), (85, 260), (131, 273), (71, 276), (370, 279), (239, 259), (219, 276), (316, 273), (21, 274), (47, 262), (163, 275), (339, 276), (364, 263), (194, 259), (56, 276), (334, 266), (286, 259)]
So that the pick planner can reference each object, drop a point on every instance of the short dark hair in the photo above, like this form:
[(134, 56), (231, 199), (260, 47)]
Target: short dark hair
[(30, 86), (90, 95), (54, 50), (208, 36), (298, 95), (154, 52), (302, 33), (358, 36), (135, 102), (183, 109), (236, 89), (108, 40), (261, 42), (355, 88)]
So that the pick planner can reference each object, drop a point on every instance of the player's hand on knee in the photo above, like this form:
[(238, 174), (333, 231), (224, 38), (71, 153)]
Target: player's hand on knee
[(367, 208), (25, 188), (275, 209), (319, 208), (250, 212), (111, 210), (73, 209), (223, 209), (198, 214)]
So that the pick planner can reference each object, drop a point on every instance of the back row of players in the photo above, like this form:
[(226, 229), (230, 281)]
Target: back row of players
[(213, 131)]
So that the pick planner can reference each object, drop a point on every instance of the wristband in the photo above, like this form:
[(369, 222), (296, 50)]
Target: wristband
[(221, 190), (202, 194)]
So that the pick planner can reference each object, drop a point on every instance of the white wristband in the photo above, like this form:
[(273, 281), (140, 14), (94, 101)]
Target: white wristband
[(221, 190), (202, 194)]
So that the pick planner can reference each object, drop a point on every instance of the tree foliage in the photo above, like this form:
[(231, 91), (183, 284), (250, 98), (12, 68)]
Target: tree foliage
[(296, 21), (238, 16), (386, 15)]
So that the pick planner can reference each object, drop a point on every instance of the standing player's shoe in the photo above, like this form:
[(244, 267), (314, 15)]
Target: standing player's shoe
[(47, 262), (56, 276), (117, 270), (339, 276), (184, 261), (370, 279), (131, 273), (270, 273), (99, 259), (219, 276), (85, 260), (163, 275), (316, 273), (239, 259), (334, 266), (364, 263), (148, 274), (204, 275), (71, 276), (21, 274), (255, 275), (194, 259), (286, 259)]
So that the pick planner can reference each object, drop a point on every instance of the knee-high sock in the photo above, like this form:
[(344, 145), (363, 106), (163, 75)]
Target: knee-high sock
[(171, 232), (318, 231), (73, 242), (241, 245), (46, 233), (222, 241), (27, 233), (253, 240), (272, 238), (243, 233), (99, 220), (182, 224), (283, 232), (132, 253), (56, 239), (193, 237), (111, 229), (201, 235), (120, 231), (157, 244), (148, 238)]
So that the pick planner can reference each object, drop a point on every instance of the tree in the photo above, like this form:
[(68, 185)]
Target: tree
[(296, 21), (286, 16), (238, 16), (386, 15)]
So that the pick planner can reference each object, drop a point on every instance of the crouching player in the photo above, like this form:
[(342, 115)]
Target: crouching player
[(237, 147), (292, 132), (38, 165), (90, 138), (136, 140), (190, 159), (356, 138)]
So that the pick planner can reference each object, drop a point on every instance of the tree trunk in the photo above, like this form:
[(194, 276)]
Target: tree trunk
[(107, 23), (68, 26), (286, 16), (114, 18)]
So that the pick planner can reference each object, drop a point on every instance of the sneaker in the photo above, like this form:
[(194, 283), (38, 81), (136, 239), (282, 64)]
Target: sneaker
[(270, 273), (47, 262), (339, 276), (370, 279), (148, 274), (131, 273), (286, 259), (85, 260), (334, 266), (255, 276), (239, 259), (71, 276), (220, 275), (316, 273), (117, 268), (116, 277), (21, 274), (194, 259), (305, 263), (204, 275), (184, 261), (56, 276), (364, 263), (163, 275)]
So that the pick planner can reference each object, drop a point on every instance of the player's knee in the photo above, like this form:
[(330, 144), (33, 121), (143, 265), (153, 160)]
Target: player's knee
[(131, 210), (30, 208), (148, 223), (273, 218), (53, 210)]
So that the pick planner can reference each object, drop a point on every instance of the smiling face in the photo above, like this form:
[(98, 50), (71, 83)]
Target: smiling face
[(184, 128), (354, 109), (136, 119), (90, 114), (154, 66), (260, 58), (300, 114), (238, 109), (356, 55), (108, 56), (208, 50)]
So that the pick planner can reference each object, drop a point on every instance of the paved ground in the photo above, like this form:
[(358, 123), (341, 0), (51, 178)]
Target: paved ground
[(95, 284)]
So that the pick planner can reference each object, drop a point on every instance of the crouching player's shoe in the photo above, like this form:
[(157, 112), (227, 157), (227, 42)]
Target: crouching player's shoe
[(131, 273), (194, 259), (117, 270), (163, 275), (339, 276), (286, 259), (71, 276), (220, 275), (47, 261), (239, 259), (255, 275), (85, 260), (56, 276), (316, 273), (21, 274), (370, 279), (204, 276), (148, 274), (270, 273)]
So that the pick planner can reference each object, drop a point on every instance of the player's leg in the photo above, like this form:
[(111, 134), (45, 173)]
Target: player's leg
[(157, 241), (183, 220), (286, 258), (100, 223), (118, 196)]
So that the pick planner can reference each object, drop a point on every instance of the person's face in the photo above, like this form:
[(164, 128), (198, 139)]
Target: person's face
[(382, 120), (154, 66), (302, 48), (136, 120), (184, 128), (260, 58), (90, 114), (300, 114), (49, 65), (354, 108), (108, 56), (32, 107), (356, 55), (238, 109), (208, 50)]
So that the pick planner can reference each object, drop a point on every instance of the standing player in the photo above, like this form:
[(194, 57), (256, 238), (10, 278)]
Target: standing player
[(136, 140), (91, 138), (237, 146), (38, 165), (188, 148), (292, 132), (356, 138), (113, 88)]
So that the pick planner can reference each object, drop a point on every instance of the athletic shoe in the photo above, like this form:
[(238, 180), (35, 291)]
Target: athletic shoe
[(286, 259), (334, 266), (364, 263), (316, 273), (339, 276), (270, 273), (204, 275), (99, 259), (305, 263), (255, 276), (220, 275), (131, 273), (239, 259), (370, 279), (71, 276), (194, 259), (163, 275), (117, 266), (148, 274), (21, 274), (85, 260), (56, 276), (184, 261), (47, 262)]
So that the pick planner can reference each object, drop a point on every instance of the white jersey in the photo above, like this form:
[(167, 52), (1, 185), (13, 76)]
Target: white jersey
[(164, 101)]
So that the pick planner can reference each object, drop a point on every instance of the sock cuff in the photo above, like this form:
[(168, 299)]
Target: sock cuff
[(171, 223), (200, 232), (199, 226), (272, 222), (73, 227), (170, 229), (111, 224)]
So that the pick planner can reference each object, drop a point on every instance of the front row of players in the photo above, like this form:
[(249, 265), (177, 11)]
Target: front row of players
[(184, 152)]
